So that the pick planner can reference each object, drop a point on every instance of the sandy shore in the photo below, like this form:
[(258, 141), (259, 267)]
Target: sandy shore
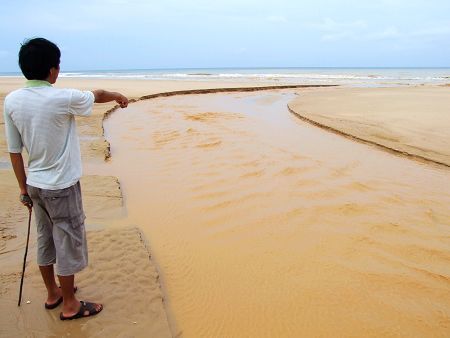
[(267, 226), (93, 145), (414, 121), (103, 203), (258, 224), (114, 255)]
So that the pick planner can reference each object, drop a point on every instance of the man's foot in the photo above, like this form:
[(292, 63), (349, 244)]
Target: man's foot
[(86, 309), (51, 303)]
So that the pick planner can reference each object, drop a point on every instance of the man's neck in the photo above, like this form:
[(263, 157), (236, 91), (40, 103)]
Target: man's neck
[(37, 83)]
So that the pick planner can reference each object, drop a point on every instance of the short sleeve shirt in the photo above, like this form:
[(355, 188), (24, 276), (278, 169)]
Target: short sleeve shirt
[(41, 118)]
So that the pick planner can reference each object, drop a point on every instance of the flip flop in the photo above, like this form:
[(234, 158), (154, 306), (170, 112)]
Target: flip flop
[(85, 306), (59, 301)]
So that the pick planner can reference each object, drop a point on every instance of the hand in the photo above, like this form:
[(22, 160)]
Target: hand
[(26, 200), (122, 101)]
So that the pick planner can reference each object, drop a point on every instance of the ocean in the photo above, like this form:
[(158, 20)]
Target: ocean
[(342, 76)]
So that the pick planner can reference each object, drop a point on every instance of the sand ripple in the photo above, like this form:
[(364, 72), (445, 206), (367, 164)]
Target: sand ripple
[(264, 226)]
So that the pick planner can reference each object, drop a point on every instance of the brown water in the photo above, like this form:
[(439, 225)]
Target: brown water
[(264, 226)]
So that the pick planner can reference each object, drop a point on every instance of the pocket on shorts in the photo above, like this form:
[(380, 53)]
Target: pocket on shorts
[(65, 206), (72, 231), (57, 204), (78, 220)]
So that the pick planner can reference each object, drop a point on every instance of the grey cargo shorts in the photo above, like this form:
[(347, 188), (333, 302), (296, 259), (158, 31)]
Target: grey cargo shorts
[(61, 237)]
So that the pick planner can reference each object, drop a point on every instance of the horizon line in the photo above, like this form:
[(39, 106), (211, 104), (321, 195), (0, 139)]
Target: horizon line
[(253, 67)]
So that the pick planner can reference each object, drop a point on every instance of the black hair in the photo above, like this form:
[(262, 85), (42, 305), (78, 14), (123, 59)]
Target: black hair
[(37, 56)]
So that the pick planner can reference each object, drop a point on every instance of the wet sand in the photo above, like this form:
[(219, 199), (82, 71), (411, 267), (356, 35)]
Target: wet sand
[(263, 225), (118, 256), (94, 148), (413, 121), (258, 224)]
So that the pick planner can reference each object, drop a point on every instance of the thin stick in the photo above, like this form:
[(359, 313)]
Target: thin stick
[(25, 256)]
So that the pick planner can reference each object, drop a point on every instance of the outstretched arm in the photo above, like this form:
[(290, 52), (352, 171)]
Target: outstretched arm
[(102, 96)]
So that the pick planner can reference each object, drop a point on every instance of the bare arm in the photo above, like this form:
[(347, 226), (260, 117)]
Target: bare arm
[(19, 171), (102, 96)]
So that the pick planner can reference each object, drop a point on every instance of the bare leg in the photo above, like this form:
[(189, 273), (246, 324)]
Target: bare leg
[(71, 305), (53, 292)]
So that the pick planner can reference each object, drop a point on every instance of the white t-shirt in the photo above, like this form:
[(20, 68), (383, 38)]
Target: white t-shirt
[(41, 118)]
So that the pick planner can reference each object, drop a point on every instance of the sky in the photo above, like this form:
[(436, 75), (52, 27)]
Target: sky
[(138, 34)]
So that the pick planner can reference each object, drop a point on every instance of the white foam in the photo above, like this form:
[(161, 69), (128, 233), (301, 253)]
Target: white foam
[(338, 76)]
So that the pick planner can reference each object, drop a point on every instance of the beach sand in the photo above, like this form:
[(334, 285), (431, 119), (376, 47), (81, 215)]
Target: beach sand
[(257, 223), (132, 296), (90, 128), (118, 257), (264, 225), (412, 120)]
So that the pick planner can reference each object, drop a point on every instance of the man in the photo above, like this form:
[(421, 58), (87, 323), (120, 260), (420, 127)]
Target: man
[(41, 118)]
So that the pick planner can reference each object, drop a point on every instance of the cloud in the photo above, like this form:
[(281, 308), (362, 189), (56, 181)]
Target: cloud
[(330, 25), (429, 33), (277, 19), (359, 30), (388, 33), (332, 30), (241, 50), (436, 31)]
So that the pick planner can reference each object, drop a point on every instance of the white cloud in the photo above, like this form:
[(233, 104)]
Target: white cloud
[(425, 33), (241, 50), (332, 26), (436, 31), (359, 30), (388, 33), (277, 19), (332, 30)]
